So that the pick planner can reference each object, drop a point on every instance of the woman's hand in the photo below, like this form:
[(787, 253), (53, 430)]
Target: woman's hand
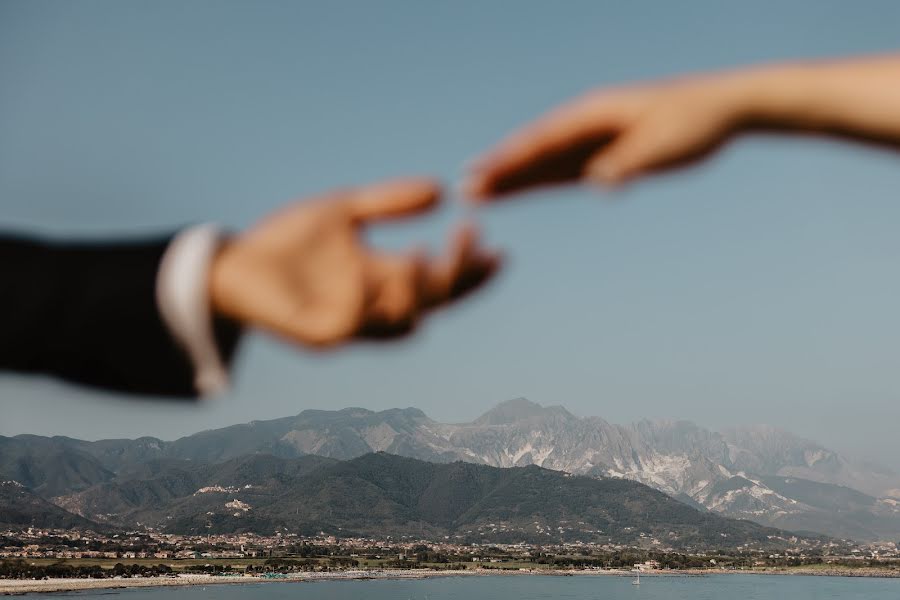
[(613, 135)]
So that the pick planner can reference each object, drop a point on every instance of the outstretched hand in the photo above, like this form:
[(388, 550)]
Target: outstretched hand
[(612, 135), (305, 274)]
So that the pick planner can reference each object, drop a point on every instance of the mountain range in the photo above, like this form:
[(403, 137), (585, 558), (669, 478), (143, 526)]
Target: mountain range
[(758, 473), (385, 495)]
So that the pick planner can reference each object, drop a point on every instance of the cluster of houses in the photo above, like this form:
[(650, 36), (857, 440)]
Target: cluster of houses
[(65, 544)]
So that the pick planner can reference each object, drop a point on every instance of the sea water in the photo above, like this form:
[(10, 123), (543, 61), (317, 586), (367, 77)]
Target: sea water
[(524, 587)]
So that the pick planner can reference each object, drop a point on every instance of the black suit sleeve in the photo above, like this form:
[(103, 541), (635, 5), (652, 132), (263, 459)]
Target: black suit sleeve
[(87, 313)]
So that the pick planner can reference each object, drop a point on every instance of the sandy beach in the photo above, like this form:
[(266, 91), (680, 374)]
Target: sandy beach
[(23, 586)]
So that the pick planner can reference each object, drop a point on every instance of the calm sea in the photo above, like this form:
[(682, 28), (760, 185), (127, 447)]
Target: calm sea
[(725, 587)]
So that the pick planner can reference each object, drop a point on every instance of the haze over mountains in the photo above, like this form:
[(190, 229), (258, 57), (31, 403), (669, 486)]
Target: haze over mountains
[(757, 473)]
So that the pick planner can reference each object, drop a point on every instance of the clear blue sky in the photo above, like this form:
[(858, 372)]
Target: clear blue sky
[(761, 287)]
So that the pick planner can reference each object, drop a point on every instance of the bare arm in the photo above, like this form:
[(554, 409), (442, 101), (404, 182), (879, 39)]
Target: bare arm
[(617, 134), (859, 98)]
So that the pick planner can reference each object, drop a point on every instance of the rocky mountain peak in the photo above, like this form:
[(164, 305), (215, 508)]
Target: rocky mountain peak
[(759, 473), (516, 410)]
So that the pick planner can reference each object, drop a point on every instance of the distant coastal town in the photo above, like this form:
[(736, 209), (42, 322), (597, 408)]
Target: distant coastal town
[(43, 559)]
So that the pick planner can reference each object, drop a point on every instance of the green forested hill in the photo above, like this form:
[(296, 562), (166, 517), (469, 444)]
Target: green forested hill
[(381, 495)]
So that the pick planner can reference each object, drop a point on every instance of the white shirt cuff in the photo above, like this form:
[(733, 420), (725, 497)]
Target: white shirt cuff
[(182, 297)]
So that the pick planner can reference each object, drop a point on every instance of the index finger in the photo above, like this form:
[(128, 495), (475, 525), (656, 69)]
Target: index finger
[(394, 199), (553, 149)]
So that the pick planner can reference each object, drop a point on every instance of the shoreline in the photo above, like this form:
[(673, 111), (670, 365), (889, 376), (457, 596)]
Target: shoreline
[(9, 587), (27, 586)]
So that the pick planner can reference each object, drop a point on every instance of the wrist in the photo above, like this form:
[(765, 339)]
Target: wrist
[(220, 278), (780, 97), (184, 304)]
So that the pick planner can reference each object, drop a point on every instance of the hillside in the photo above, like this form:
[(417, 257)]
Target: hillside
[(20, 507), (738, 473), (49, 466), (383, 495)]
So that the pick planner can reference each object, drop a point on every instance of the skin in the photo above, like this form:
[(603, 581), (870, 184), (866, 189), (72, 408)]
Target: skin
[(305, 274), (615, 135)]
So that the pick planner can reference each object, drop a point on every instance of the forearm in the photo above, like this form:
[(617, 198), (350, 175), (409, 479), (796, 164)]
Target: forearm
[(857, 98), (88, 313)]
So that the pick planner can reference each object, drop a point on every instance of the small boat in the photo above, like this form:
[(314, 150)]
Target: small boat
[(637, 579)]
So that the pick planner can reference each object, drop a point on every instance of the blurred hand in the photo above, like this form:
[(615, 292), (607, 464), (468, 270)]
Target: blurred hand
[(612, 135), (305, 274)]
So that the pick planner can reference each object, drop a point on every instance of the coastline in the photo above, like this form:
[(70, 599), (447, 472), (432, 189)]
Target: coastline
[(27, 586)]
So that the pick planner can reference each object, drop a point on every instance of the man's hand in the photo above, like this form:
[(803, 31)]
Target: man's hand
[(305, 274)]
